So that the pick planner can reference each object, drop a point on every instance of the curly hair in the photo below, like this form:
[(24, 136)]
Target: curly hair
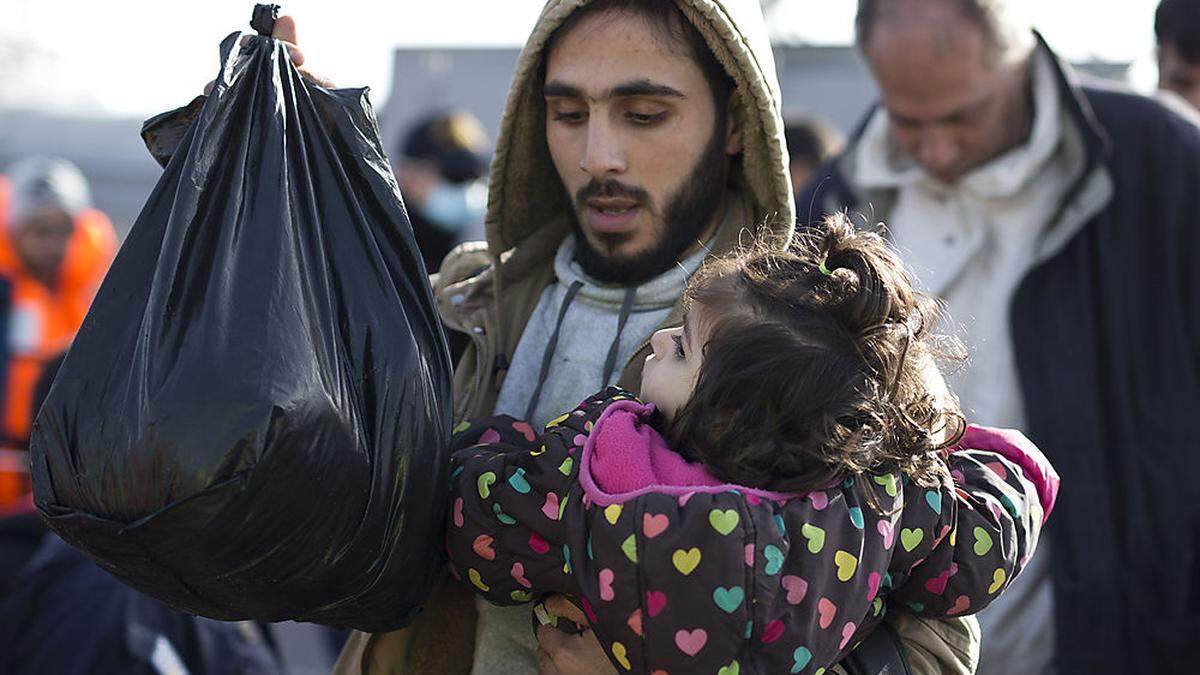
[(820, 363)]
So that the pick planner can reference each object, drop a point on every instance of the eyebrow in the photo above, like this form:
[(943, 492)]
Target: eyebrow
[(965, 111), (642, 87)]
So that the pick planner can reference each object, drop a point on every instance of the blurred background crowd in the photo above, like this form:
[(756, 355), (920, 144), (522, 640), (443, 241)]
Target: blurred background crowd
[(74, 175)]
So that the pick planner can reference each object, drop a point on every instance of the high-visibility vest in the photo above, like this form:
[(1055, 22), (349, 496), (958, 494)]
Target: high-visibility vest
[(43, 321)]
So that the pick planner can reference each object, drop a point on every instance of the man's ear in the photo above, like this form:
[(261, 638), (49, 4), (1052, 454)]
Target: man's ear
[(733, 125)]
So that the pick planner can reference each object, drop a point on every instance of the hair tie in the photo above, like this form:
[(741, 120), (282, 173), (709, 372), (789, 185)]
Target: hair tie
[(824, 270)]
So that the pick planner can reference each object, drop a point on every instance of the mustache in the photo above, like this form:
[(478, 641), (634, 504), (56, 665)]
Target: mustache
[(610, 189)]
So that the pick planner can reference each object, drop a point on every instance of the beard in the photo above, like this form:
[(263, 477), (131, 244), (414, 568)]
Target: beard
[(688, 212)]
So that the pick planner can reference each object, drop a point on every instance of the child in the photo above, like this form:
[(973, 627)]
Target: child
[(814, 474)]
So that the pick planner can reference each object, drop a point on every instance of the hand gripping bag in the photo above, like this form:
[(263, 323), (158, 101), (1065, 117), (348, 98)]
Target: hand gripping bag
[(253, 420)]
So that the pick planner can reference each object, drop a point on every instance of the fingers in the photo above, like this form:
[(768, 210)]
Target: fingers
[(317, 79), (285, 29), (294, 52), (559, 606)]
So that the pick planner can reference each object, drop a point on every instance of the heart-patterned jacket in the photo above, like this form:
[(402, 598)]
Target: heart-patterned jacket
[(679, 573)]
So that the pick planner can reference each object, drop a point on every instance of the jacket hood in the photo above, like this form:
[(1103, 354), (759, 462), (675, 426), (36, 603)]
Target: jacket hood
[(527, 207)]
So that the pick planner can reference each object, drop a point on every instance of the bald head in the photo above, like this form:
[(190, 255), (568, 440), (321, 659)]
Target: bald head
[(940, 26)]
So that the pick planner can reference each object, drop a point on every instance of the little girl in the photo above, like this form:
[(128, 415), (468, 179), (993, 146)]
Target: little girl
[(797, 471)]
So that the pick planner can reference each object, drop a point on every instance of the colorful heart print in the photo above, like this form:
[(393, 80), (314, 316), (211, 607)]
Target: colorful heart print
[(774, 559), (629, 547), (961, 604), (537, 544), (819, 500), (484, 484), (690, 642), (483, 547), (618, 651), (888, 481), (654, 525), (525, 430), (856, 517), (826, 611), (998, 578), (723, 521), (873, 580), (605, 579), (728, 599), (490, 436), (731, 669), (846, 565), (550, 506), (656, 602), (815, 537), (772, 631), (937, 585), (477, 579), (461, 427), (800, 659), (749, 555), (566, 466), (910, 538), (458, 512), (502, 516), (611, 513), (518, 482), (934, 499), (635, 622), (887, 530), (686, 561), (847, 633), (983, 541), (517, 572), (796, 588)]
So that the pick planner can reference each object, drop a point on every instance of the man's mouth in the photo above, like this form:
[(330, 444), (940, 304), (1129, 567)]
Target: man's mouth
[(611, 215)]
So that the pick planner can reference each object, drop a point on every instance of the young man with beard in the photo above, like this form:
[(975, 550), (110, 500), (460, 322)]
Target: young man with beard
[(639, 137)]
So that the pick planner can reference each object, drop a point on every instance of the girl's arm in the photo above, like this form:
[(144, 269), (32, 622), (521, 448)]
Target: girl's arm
[(509, 488), (988, 523)]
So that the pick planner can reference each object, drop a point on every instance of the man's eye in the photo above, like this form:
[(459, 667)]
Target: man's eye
[(570, 117), (644, 118), (678, 340)]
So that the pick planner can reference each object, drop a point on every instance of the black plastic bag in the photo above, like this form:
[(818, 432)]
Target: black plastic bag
[(252, 422)]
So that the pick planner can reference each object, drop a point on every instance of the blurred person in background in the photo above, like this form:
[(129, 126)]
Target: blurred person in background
[(54, 251), (1177, 28), (440, 167), (52, 596), (1057, 217), (811, 142)]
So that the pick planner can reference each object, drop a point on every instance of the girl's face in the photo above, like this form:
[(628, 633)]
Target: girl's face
[(670, 372)]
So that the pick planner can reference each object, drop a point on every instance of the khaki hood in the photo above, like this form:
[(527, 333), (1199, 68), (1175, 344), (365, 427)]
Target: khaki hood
[(527, 209)]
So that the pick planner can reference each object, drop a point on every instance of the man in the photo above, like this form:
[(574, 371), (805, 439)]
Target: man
[(441, 162), (54, 251), (811, 141), (1058, 220), (639, 136), (1177, 27)]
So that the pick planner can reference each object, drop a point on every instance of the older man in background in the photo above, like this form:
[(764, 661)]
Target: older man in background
[(1058, 219)]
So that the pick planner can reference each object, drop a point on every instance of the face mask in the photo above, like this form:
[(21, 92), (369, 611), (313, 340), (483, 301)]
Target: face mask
[(453, 208)]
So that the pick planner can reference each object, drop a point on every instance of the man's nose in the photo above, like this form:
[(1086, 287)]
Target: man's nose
[(938, 152), (658, 342), (603, 155)]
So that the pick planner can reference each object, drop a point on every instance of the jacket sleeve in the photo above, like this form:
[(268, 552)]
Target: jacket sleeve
[(509, 489), (987, 524)]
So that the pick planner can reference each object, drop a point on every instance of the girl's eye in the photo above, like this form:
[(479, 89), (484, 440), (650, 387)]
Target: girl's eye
[(678, 340)]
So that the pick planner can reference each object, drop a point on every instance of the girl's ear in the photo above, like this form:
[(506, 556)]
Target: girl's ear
[(733, 125)]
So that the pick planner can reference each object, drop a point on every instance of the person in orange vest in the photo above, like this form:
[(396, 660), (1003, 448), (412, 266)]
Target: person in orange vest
[(54, 251)]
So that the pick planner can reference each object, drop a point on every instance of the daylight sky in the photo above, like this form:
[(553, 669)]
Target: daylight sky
[(137, 57)]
